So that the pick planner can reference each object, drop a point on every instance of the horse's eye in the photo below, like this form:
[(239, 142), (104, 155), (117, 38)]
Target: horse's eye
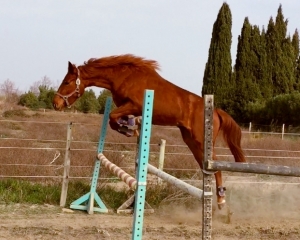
[(66, 83)]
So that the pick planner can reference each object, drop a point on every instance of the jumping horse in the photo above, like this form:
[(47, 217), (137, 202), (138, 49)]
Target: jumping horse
[(127, 76)]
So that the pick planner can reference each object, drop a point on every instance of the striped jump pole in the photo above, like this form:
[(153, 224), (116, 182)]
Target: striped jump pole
[(195, 192), (131, 182), (120, 173), (128, 180)]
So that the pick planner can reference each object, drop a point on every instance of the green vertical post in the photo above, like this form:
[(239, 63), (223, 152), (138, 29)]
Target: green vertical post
[(104, 125), (141, 174), (89, 198)]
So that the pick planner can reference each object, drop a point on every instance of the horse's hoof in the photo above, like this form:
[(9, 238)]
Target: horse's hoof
[(136, 133), (221, 204), (129, 133), (132, 133)]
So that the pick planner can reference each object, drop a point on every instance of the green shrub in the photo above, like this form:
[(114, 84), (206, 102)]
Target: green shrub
[(14, 113)]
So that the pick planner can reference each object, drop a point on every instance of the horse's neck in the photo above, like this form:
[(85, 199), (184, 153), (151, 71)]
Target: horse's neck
[(98, 80), (109, 79)]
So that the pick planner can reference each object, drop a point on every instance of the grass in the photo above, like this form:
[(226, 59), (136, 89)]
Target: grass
[(18, 191), (48, 130), (25, 192)]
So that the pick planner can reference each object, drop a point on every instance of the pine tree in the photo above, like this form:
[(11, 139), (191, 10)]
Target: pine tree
[(29, 100), (102, 100), (45, 97), (218, 69), (88, 102)]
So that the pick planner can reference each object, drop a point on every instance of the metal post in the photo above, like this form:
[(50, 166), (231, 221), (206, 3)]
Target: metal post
[(64, 189), (282, 131), (207, 177), (92, 196), (141, 174)]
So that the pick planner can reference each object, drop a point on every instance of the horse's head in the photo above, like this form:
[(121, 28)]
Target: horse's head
[(70, 89)]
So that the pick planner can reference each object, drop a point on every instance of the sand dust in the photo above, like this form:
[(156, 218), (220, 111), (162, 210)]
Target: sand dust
[(253, 212), (50, 222)]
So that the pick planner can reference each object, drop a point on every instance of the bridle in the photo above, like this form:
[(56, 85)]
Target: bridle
[(65, 97)]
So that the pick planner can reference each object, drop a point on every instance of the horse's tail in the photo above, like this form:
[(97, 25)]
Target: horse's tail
[(232, 135)]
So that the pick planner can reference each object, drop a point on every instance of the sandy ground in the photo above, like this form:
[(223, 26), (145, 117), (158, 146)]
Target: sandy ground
[(254, 211), (51, 222)]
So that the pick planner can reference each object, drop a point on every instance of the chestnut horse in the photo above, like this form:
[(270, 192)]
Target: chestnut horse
[(127, 76)]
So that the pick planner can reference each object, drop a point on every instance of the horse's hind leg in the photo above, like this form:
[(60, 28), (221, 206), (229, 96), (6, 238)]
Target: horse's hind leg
[(197, 149), (219, 188)]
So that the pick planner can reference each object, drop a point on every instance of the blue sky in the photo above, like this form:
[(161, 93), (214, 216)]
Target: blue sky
[(38, 38)]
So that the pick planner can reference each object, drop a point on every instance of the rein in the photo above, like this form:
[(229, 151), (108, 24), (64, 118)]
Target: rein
[(65, 97)]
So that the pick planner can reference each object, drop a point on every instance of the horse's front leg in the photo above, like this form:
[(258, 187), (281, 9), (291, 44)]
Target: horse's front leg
[(124, 121)]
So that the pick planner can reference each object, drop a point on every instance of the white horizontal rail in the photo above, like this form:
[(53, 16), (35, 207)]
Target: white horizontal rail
[(134, 144), (196, 192)]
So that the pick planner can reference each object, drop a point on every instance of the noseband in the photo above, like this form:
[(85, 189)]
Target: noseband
[(65, 97)]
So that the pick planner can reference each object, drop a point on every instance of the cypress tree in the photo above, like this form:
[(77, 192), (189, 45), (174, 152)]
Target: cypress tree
[(280, 53), (270, 40), (264, 71), (297, 75), (247, 68), (218, 69), (295, 44), (289, 66)]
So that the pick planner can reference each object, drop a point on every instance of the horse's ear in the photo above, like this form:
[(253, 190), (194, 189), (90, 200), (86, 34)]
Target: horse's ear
[(71, 68)]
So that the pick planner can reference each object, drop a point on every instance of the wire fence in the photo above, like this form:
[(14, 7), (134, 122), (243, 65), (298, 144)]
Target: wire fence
[(36, 150)]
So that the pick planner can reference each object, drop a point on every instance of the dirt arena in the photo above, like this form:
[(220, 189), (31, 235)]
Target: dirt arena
[(262, 211)]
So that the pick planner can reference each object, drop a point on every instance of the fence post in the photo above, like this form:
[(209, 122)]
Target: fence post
[(282, 133), (207, 176), (64, 189), (162, 148), (250, 126)]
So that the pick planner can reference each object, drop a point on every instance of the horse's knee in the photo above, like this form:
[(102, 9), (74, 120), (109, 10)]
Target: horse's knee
[(114, 125)]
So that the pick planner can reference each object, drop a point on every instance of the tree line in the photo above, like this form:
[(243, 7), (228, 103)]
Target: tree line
[(263, 84), (41, 93)]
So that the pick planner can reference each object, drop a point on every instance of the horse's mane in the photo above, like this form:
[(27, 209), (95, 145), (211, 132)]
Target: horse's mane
[(122, 60)]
